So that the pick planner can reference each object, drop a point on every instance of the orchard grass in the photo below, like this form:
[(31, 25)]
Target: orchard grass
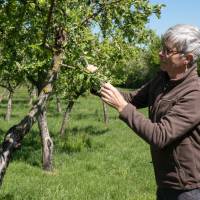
[(91, 162)]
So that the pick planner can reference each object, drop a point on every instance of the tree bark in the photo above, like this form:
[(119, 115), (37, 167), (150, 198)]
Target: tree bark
[(105, 113), (58, 104), (30, 101), (33, 96), (47, 143), (9, 106), (66, 117)]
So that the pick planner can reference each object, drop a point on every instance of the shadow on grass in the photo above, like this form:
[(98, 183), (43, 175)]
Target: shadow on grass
[(15, 102), (13, 116), (21, 101), (2, 133), (2, 116), (7, 197), (30, 150), (89, 130), (84, 116), (53, 113), (56, 114), (78, 138)]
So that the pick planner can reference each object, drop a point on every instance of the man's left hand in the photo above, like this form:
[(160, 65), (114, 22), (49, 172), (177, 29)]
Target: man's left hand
[(112, 96)]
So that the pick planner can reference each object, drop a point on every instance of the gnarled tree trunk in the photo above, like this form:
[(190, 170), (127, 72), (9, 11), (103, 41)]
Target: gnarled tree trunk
[(9, 106), (47, 143), (66, 117)]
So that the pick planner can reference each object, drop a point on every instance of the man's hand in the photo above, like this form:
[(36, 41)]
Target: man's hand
[(112, 96)]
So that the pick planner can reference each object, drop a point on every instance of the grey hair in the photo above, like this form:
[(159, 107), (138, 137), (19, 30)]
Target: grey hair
[(185, 38)]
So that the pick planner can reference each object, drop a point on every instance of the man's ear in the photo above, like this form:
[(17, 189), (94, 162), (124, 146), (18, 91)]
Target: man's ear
[(189, 58)]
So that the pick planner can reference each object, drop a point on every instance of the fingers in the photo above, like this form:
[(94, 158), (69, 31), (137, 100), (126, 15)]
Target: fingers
[(106, 100), (108, 90), (105, 91), (109, 93), (111, 96), (107, 86), (106, 94)]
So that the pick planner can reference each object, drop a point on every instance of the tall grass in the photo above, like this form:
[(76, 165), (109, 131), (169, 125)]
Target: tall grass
[(92, 162)]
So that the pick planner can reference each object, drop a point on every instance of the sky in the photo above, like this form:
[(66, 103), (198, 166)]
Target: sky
[(175, 12)]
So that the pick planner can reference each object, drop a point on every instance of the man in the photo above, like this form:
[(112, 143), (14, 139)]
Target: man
[(173, 127)]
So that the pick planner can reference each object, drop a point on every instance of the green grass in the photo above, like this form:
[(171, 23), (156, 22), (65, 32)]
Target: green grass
[(92, 162)]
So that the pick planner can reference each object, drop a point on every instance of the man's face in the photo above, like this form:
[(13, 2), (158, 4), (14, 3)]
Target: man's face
[(171, 60)]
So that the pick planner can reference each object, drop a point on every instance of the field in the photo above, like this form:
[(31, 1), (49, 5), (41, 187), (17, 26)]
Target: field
[(92, 162)]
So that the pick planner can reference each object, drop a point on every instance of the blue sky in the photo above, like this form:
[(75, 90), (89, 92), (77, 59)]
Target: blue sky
[(175, 12)]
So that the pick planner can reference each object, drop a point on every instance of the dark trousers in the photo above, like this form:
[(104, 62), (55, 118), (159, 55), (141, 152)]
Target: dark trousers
[(171, 194)]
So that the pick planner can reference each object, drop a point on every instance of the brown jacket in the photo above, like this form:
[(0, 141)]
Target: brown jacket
[(173, 127)]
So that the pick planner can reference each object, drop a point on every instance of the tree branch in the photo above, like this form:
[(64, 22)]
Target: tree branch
[(94, 15), (49, 18)]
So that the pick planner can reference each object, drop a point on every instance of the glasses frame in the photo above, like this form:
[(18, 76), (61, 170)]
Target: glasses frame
[(169, 52)]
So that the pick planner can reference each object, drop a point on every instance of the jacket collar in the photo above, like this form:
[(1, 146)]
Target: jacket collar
[(191, 72)]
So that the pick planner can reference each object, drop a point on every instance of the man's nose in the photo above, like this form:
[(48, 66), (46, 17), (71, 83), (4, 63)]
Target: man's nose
[(161, 54)]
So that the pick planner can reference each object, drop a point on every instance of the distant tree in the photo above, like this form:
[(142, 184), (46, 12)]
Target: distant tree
[(152, 56), (146, 63)]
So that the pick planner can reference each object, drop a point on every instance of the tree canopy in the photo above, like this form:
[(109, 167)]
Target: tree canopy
[(42, 37)]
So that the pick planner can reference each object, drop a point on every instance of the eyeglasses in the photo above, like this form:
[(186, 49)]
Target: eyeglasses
[(169, 52)]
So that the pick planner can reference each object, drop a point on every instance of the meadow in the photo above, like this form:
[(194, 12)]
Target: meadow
[(93, 161)]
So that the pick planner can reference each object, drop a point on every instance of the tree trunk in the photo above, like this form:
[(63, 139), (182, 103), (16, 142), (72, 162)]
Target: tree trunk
[(105, 113), (30, 101), (33, 96), (15, 134), (66, 117), (47, 143), (58, 104), (9, 106)]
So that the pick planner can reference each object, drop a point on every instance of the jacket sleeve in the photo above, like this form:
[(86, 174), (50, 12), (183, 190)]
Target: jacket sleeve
[(138, 98), (181, 118)]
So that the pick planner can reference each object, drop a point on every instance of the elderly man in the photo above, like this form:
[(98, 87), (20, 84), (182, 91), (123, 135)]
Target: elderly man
[(173, 127)]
